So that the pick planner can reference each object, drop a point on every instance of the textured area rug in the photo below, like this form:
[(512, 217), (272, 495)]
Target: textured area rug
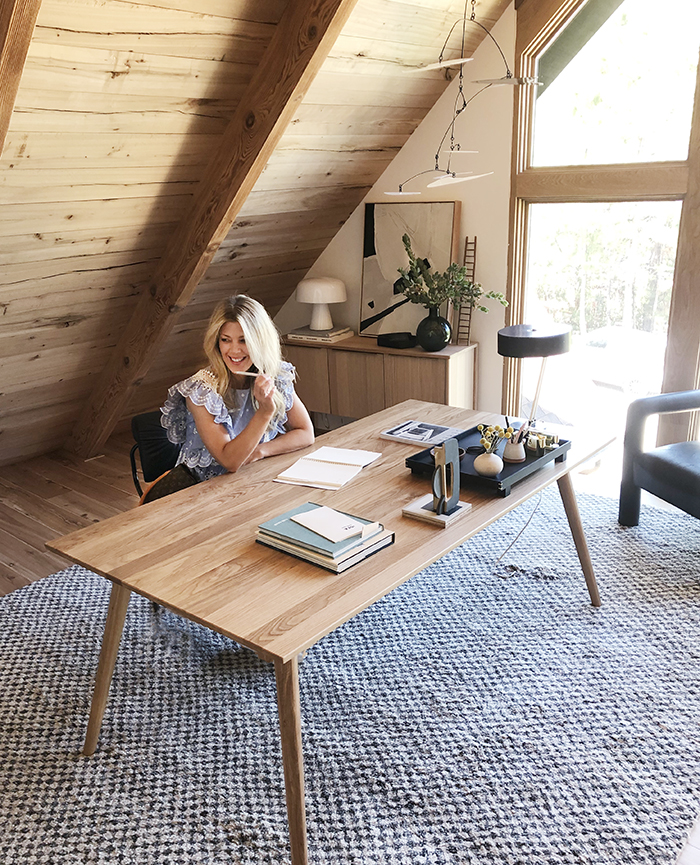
[(483, 713)]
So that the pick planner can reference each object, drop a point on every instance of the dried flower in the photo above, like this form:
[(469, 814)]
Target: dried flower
[(491, 436)]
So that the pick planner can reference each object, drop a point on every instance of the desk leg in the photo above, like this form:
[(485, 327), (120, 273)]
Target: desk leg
[(289, 708), (118, 602), (568, 497)]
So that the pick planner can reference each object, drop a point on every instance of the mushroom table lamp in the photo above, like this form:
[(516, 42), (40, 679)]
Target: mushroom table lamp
[(320, 291), (524, 340)]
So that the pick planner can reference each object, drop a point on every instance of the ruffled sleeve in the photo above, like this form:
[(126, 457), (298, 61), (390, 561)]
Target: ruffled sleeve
[(285, 384), (181, 428), (200, 389)]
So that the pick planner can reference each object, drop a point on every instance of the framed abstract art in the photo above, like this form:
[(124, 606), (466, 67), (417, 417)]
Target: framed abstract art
[(433, 228)]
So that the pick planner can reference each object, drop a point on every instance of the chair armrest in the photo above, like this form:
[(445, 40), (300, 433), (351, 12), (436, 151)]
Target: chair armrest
[(664, 403)]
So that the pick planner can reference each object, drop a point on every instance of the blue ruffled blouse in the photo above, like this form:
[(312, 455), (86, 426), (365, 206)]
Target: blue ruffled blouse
[(200, 388)]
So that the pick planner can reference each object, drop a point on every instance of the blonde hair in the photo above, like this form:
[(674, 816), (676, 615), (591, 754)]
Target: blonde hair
[(262, 341)]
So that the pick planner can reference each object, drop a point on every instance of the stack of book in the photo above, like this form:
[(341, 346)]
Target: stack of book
[(326, 537), (305, 334)]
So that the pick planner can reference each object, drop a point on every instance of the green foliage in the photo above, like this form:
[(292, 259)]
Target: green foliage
[(597, 265), (422, 285)]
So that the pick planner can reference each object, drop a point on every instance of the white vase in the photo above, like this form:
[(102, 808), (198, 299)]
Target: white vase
[(488, 465), (514, 453)]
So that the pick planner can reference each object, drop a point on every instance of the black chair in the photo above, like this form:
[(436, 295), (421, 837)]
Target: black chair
[(156, 454), (671, 472)]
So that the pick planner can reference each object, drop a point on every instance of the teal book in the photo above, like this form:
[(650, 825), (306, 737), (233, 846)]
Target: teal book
[(285, 529)]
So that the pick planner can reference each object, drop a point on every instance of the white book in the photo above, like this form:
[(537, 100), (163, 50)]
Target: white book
[(328, 468), (334, 525)]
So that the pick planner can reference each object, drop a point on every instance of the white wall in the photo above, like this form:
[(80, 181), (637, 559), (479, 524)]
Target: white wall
[(486, 126)]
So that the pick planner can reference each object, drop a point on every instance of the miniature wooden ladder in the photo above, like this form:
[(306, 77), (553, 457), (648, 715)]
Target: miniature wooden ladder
[(464, 317)]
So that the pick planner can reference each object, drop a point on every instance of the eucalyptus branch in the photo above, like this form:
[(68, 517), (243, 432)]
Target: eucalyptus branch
[(420, 284)]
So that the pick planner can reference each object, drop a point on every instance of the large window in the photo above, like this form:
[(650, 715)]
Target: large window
[(607, 156), (605, 269), (626, 95)]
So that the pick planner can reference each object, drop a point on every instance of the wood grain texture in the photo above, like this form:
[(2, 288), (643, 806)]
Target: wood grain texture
[(116, 614), (660, 181), (312, 384), (195, 551), (357, 383), (121, 107), (355, 377), (300, 43), (682, 365), (289, 711), (17, 19), (41, 500)]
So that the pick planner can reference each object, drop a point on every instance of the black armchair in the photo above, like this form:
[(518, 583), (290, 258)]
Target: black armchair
[(671, 472), (156, 453)]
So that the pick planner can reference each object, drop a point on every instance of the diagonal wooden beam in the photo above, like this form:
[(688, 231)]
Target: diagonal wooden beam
[(17, 20), (301, 42)]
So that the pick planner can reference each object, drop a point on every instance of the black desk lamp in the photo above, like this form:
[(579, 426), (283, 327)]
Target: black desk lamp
[(524, 340)]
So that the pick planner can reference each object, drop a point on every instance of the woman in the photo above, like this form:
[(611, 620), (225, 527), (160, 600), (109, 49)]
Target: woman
[(242, 407)]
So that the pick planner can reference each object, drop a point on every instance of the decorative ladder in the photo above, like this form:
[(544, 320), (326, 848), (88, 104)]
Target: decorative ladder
[(464, 315)]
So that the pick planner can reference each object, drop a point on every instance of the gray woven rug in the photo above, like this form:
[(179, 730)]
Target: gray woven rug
[(483, 713)]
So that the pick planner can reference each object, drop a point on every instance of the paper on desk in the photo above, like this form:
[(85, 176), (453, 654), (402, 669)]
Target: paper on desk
[(346, 456), (327, 468), (334, 525)]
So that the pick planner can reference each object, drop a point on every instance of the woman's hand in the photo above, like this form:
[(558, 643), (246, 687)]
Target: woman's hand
[(259, 453), (263, 391)]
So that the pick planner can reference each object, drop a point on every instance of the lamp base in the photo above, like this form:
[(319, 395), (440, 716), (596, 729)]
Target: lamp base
[(321, 317)]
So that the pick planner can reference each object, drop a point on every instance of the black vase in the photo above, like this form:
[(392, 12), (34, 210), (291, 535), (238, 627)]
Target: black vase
[(434, 331)]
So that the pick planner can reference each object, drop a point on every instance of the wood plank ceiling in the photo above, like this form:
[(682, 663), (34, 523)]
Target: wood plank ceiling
[(121, 113)]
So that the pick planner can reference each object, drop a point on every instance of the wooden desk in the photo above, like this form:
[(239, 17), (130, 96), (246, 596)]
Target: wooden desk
[(194, 552)]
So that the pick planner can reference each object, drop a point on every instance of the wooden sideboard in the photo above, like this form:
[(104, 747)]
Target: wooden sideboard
[(356, 377)]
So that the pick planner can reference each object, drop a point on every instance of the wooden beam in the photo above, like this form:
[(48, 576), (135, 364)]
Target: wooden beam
[(17, 19), (302, 39), (682, 363)]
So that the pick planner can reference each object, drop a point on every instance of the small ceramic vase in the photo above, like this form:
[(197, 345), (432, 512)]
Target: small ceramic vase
[(514, 453), (488, 465)]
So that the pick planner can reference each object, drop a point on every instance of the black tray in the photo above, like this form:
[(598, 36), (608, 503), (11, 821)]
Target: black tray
[(423, 463)]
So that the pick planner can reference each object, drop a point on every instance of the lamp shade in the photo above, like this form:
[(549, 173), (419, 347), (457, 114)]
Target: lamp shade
[(321, 289), (524, 340)]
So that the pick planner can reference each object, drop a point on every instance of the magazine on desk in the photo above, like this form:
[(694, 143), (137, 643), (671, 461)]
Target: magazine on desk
[(421, 433)]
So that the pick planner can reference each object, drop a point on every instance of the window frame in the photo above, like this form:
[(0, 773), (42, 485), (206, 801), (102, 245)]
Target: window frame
[(538, 22)]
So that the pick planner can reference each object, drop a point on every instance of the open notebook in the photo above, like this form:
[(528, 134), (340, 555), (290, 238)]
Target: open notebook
[(327, 468)]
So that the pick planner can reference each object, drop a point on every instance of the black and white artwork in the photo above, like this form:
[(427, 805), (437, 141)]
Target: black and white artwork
[(430, 225)]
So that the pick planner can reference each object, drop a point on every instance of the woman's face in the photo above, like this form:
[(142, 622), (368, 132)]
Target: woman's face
[(233, 348)]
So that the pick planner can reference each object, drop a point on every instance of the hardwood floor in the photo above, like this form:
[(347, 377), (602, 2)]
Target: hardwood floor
[(48, 496)]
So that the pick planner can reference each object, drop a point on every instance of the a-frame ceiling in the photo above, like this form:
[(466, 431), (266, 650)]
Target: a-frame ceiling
[(163, 154)]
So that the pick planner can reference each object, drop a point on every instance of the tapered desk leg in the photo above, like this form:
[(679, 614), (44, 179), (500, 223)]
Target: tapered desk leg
[(289, 708), (568, 497), (118, 603)]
